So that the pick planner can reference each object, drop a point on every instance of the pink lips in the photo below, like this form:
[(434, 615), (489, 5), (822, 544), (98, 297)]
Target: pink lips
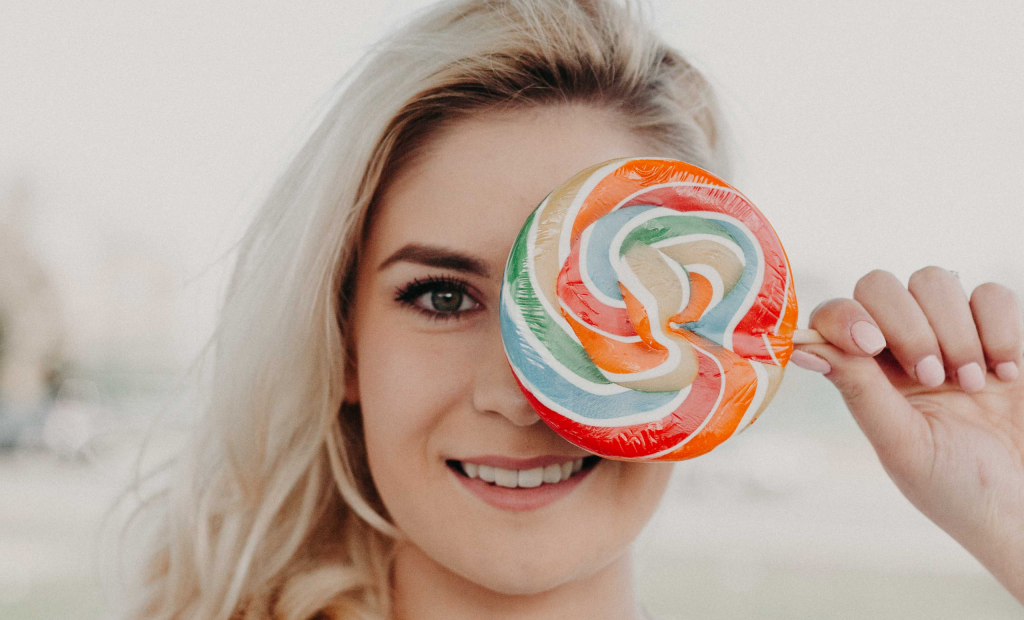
[(520, 499)]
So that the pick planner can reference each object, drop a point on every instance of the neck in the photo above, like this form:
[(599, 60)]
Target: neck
[(423, 589)]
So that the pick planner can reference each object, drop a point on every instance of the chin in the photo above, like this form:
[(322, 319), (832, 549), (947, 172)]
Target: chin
[(512, 582), (525, 569)]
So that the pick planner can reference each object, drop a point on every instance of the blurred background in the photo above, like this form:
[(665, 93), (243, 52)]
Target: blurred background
[(132, 135)]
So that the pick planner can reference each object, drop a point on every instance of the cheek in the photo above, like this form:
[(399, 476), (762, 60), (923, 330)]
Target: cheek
[(619, 506), (623, 499), (406, 376), (639, 490), (409, 384)]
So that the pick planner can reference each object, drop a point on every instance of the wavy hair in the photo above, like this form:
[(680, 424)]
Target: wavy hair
[(272, 513)]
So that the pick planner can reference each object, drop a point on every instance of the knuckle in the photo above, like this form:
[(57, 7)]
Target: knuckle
[(1002, 350), (817, 309), (872, 281), (927, 277), (824, 306), (916, 343), (832, 310), (964, 354)]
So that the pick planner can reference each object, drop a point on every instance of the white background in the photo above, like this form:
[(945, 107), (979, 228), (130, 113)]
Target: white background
[(872, 134)]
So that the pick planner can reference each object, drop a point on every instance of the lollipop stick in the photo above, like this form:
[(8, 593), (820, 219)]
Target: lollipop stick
[(808, 336)]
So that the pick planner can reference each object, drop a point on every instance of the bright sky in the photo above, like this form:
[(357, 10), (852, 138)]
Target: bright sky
[(872, 134)]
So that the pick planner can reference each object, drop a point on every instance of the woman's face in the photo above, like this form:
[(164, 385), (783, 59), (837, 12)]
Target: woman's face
[(437, 395)]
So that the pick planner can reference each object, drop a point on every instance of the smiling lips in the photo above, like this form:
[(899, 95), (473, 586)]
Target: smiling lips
[(522, 484), (523, 478)]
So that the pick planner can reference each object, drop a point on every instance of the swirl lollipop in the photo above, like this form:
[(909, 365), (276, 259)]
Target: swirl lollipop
[(647, 310)]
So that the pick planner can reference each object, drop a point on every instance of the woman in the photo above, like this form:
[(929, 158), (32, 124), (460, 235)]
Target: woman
[(360, 382)]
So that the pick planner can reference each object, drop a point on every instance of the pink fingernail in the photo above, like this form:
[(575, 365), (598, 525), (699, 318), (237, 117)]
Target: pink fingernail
[(1006, 371), (810, 361), (868, 337), (930, 372), (971, 377)]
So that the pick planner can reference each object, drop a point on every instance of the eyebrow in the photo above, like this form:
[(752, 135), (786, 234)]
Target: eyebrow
[(435, 256)]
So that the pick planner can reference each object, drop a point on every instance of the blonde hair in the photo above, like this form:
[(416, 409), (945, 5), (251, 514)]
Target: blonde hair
[(274, 513)]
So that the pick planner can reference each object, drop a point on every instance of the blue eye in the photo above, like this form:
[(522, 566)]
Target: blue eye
[(443, 297)]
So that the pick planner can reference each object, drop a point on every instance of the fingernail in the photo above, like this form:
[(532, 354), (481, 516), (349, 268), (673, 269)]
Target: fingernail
[(868, 337), (1006, 371), (810, 361), (971, 377), (930, 372)]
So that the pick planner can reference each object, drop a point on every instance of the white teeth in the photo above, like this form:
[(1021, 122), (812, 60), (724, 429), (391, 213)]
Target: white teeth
[(552, 474), (523, 478), (566, 470), (486, 473), (530, 478), (506, 477)]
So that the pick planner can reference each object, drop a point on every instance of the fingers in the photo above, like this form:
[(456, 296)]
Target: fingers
[(910, 337), (930, 327), (997, 314), (847, 325), (931, 330), (944, 302)]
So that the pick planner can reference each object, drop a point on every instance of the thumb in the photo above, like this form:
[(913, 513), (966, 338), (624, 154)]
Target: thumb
[(896, 430)]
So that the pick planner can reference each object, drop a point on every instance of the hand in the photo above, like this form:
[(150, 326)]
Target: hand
[(935, 383)]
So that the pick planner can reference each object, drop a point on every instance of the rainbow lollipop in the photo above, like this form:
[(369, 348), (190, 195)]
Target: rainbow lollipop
[(647, 310)]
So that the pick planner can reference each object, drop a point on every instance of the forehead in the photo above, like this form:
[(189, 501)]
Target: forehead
[(476, 183)]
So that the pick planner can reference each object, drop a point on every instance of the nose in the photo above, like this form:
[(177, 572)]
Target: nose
[(494, 385)]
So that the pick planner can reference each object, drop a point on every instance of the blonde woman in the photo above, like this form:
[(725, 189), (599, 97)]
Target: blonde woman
[(359, 371)]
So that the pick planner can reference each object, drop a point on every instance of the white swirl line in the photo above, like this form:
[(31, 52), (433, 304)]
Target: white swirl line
[(598, 330), (531, 274), (684, 281), (755, 402), (717, 285), (707, 418), (649, 188), (537, 346), (728, 244), (630, 420), (782, 309), (577, 202), (755, 288), (648, 301)]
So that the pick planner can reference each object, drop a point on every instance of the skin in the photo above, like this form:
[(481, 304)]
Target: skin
[(457, 397), (432, 390)]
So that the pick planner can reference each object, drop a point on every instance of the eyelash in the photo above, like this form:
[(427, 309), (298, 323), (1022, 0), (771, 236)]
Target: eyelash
[(409, 293)]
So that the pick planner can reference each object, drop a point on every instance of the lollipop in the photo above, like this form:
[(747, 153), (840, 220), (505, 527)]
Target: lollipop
[(647, 310)]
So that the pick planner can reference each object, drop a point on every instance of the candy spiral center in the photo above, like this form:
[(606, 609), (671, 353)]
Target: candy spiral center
[(641, 280)]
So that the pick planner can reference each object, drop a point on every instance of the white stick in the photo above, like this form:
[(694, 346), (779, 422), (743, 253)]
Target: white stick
[(808, 336)]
